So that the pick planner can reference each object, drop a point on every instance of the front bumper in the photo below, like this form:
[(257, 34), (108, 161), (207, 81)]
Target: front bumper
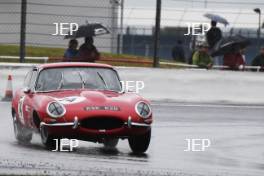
[(73, 124), (76, 123), (74, 129)]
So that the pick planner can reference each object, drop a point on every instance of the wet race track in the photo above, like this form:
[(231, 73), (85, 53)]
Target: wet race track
[(236, 134)]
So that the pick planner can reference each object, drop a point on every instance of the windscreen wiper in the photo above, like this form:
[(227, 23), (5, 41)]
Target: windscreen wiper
[(101, 77), (61, 82), (83, 82)]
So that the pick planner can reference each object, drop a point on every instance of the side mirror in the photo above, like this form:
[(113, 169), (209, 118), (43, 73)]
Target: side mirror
[(26, 90)]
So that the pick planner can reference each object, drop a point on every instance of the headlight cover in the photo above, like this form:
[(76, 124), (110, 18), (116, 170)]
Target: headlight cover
[(55, 109), (143, 109)]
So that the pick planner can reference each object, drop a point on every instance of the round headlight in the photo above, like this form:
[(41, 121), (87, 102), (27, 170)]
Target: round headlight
[(143, 109), (55, 109)]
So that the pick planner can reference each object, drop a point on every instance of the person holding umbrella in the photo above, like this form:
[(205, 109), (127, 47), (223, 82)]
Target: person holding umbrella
[(201, 58), (214, 35), (232, 48), (87, 51)]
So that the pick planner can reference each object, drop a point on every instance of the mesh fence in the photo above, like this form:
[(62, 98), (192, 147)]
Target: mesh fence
[(41, 16), (135, 36), (10, 22)]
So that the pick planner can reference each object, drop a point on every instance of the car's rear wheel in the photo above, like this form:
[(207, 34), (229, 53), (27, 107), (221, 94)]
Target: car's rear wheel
[(110, 143), (47, 140), (140, 143), (22, 134)]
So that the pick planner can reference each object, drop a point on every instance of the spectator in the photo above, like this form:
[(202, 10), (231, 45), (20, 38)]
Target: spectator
[(195, 42), (201, 58), (178, 52), (259, 59), (88, 52), (213, 35), (72, 50), (235, 60)]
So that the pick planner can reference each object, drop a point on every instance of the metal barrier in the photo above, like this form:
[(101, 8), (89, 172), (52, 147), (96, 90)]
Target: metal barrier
[(217, 67), (16, 65), (44, 59), (118, 60)]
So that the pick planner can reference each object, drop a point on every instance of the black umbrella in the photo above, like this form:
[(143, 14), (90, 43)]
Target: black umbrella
[(88, 30), (230, 44)]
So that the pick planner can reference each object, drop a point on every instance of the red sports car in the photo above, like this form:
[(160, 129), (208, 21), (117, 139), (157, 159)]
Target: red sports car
[(81, 101)]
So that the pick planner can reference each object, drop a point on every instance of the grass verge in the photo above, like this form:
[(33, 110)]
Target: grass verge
[(57, 53)]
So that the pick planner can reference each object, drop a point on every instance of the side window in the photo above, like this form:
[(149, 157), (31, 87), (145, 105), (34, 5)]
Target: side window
[(27, 79), (33, 79)]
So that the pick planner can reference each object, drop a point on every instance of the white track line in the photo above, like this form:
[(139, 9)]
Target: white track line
[(210, 105)]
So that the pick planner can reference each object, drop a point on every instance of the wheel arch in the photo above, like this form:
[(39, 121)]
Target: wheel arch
[(36, 118), (13, 112)]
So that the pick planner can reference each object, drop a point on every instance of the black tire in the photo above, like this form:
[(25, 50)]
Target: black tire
[(140, 143), (22, 134), (110, 143), (47, 139)]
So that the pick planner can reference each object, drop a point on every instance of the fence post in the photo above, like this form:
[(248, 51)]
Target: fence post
[(22, 51), (157, 35), (121, 36)]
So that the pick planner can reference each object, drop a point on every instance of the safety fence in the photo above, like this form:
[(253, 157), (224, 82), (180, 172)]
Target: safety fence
[(109, 60), (132, 23)]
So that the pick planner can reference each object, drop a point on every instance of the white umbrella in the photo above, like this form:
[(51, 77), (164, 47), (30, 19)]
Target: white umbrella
[(216, 18)]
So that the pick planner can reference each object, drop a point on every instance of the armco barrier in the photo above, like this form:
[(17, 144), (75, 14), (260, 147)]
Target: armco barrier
[(15, 58), (16, 65), (110, 60)]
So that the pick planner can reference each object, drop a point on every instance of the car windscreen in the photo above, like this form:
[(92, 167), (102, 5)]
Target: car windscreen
[(78, 78)]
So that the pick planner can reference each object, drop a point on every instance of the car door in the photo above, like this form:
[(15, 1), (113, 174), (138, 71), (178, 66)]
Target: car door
[(25, 108)]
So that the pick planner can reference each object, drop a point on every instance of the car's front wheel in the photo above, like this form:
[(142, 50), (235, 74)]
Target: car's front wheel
[(140, 143), (21, 134), (48, 140)]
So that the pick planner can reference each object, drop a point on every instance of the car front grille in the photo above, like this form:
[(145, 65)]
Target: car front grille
[(102, 123)]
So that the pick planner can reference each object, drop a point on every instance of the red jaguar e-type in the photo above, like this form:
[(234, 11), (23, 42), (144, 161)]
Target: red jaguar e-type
[(81, 101)]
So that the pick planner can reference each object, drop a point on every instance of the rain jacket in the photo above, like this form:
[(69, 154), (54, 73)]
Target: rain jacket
[(213, 36), (202, 59), (88, 53), (70, 54), (234, 60)]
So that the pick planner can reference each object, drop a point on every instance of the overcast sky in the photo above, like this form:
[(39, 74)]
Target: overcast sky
[(177, 12)]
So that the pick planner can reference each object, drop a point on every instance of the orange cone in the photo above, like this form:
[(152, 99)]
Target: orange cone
[(9, 90)]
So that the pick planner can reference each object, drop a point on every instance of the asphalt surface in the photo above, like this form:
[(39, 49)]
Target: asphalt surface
[(236, 134)]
